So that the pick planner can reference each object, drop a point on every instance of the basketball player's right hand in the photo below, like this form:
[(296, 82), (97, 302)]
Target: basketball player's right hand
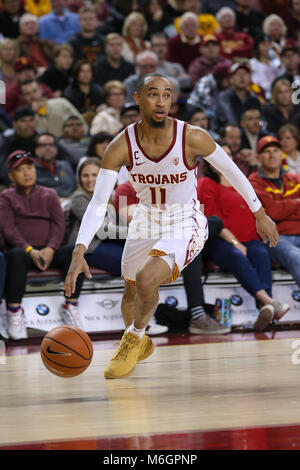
[(77, 266)]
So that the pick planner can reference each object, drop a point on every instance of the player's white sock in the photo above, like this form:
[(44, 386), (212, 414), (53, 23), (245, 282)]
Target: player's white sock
[(135, 331)]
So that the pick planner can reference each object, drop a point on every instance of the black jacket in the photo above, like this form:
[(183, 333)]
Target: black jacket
[(55, 79), (105, 72)]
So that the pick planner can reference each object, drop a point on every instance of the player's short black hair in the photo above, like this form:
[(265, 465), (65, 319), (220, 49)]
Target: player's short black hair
[(141, 81)]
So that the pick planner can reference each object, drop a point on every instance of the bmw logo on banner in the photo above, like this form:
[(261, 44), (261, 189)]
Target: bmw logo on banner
[(42, 309), (296, 295), (236, 300)]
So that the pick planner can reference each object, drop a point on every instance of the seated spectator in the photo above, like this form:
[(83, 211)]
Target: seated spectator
[(293, 19), (134, 31), (156, 16), (248, 20), (87, 44), (251, 129), (199, 118), (130, 113), (41, 51), (279, 194), (263, 68), (289, 138), (239, 249), (74, 140), (9, 52), (50, 113), (104, 254), (232, 102), (58, 74), (233, 44), (33, 227), (53, 173), (9, 18), (281, 109), (118, 10), (210, 56), (108, 119), (24, 70), (98, 144), (291, 63), (207, 24), (112, 66), (177, 109), (275, 28), (59, 25), (145, 62), (208, 88), (185, 47), (38, 7), (83, 92), (22, 136), (232, 137), (213, 6), (159, 45)]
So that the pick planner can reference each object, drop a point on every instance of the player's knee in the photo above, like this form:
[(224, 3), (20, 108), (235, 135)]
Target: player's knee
[(145, 284)]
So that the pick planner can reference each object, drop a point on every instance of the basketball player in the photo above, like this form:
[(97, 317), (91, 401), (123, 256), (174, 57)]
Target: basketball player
[(160, 154)]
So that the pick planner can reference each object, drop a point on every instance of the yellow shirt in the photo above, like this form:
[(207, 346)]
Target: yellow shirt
[(207, 24), (38, 7)]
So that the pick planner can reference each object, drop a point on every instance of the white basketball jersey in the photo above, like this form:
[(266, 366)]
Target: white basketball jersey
[(165, 181)]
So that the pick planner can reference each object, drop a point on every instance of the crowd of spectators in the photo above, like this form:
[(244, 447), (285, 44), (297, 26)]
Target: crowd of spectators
[(68, 71)]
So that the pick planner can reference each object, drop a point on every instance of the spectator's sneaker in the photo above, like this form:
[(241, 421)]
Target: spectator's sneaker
[(16, 324), (280, 309), (147, 348), (155, 329), (265, 316), (205, 325), (70, 315), (125, 358)]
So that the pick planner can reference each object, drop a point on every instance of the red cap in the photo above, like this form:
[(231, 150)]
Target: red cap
[(23, 63), (18, 157), (209, 38), (267, 140)]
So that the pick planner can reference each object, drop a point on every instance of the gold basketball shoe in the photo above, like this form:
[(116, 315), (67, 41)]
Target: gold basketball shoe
[(125, 358)]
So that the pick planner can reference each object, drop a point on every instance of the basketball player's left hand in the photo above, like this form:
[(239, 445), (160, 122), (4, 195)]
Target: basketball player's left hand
[(266, 228)]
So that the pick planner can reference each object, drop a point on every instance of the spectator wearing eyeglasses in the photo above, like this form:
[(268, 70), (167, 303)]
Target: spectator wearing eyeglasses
[(73, 139), (53, 173), (33, 227)]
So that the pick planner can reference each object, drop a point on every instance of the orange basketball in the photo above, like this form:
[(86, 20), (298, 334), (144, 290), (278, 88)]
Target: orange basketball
[(66, 351)]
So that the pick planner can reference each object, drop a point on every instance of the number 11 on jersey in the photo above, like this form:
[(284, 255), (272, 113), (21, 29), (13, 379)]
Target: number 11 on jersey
[(163, 195)]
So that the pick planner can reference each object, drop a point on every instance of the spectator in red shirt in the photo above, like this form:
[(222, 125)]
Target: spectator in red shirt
[(185, 47), (233, 44), (33, 227), (210, 56), (238, 249), (279, 192)]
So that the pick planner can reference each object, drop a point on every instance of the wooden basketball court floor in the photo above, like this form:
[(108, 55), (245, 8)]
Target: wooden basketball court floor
[(239, 391)]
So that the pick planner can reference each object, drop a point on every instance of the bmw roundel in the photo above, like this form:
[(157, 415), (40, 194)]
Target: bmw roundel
[(236, 299), (42, 309), (296, 295), (171, 300)]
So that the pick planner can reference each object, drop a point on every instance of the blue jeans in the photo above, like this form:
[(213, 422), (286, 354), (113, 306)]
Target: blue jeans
[(106, 256), (287, 254), (2, 273), (252, 271)]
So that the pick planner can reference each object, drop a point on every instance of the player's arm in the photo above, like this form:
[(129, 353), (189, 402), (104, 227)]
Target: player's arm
[(115, 155), (199, 142)]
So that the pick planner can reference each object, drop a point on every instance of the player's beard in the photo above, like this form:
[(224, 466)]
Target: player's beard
[(157, 124)]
